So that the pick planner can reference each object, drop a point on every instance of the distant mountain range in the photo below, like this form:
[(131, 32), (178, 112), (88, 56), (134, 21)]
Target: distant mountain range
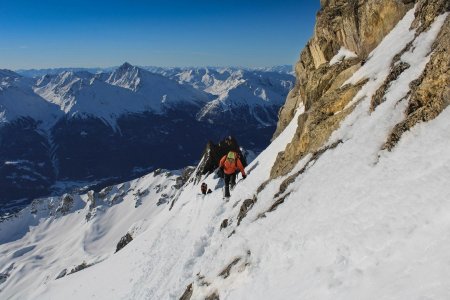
[(68, 127), (286, 69)]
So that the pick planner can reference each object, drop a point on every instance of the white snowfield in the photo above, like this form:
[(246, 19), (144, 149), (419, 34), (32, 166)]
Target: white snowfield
[(358, 223)]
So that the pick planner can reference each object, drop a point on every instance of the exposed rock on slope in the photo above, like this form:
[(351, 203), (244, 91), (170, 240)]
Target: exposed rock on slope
[(358, 27), (213, 153), (339, 24), (430, 94)]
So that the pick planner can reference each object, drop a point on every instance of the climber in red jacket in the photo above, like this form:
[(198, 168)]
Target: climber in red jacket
[(230, 164)]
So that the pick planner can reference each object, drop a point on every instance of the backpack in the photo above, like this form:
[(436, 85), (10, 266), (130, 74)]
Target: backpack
[(232, 157), (204, 188)]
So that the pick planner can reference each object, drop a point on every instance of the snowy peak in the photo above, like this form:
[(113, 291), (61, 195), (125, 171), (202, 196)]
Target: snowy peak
[(62, 89), (126, 76), (223, 81), (201, 78), (239, 94), (159, 91), (258, 93), (265, 86), (128, 89)]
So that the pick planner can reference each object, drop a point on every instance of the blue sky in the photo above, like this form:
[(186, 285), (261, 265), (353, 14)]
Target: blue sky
[(59, 33)]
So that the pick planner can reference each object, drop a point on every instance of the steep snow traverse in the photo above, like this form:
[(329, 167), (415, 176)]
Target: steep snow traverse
[(350, 199)]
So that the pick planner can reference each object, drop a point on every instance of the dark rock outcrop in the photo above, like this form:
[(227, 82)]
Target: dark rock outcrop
[(245, 207), (65, 205), (226, 272), (125, 240), (61, 274), (80, 267), (213, 296), (224, 224), (187, 293), (184, 177), (396, 70), (430, 93), (213, 153)]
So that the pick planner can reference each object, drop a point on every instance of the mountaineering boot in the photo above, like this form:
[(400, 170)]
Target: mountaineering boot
[(227, 192)]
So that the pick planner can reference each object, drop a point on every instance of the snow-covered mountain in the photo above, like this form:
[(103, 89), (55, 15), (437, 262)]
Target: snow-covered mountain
[(156, 89), (349, 201), (241, 95), (17, 100), (160, 91), (128, 89), (246, 95), (75, 124), (259, 92)]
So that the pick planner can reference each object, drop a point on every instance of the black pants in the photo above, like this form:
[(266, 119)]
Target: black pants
[(230, 179)]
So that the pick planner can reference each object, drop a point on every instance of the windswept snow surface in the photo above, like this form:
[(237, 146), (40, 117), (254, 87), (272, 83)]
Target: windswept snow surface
[(43, 240), (358, 223)]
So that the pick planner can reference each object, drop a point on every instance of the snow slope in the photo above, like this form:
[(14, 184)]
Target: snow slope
[(354, 222), (46, 239)]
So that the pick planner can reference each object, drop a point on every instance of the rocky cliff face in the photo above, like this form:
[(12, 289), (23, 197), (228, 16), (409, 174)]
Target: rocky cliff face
[(346, 33)]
